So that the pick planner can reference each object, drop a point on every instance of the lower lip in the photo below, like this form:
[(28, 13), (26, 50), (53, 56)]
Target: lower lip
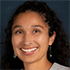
[(29, 53)]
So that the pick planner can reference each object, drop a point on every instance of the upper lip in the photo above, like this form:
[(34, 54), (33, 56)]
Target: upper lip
[(29, 48)]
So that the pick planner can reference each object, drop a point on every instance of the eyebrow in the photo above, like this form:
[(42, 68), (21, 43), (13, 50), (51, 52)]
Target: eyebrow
[(37, 26), (18, 26)]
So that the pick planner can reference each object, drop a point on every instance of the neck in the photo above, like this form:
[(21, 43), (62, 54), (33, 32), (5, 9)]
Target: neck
[(42, 64)]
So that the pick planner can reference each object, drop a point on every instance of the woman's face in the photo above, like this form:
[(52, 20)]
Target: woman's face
[(30, 38)]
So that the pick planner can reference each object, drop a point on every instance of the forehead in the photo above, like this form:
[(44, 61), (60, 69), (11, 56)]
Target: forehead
[(29, 18), (27, 15)]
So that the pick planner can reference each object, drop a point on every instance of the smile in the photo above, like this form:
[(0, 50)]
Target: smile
[(29, 51)]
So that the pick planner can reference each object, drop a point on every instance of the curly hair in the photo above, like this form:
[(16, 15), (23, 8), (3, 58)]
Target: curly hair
[(60, 47)]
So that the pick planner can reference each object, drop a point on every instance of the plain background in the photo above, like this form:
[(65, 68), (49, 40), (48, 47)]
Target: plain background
[(7, 8)]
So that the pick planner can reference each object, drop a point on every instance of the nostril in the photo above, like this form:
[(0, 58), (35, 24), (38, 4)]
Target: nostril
[(20, 48)]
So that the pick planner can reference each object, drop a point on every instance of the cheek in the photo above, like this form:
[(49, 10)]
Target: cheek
[(43, 40), (16, 40)]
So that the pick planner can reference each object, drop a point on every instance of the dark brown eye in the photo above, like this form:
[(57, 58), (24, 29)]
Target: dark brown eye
[(36, 31), (18, 32)]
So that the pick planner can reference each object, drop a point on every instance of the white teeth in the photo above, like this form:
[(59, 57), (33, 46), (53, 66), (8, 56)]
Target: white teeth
[(28, 50)]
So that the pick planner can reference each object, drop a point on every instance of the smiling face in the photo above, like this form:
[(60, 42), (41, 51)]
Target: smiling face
[(30, 37)]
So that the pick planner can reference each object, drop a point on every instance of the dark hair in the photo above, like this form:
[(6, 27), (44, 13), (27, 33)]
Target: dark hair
[(60, 47)]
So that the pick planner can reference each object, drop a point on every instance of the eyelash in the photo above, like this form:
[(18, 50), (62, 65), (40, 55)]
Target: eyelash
[(18, 31), (36, 31)]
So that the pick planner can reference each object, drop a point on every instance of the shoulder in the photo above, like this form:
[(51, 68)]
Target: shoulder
[(57, 66)]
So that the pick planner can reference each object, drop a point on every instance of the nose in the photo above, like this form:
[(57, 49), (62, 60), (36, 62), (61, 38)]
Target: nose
[(27, 39)]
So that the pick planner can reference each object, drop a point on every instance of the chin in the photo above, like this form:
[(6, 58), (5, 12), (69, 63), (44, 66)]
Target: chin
[(29, 60)]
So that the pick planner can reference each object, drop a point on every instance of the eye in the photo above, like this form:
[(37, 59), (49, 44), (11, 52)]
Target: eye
[(36, 31), (18, 32)]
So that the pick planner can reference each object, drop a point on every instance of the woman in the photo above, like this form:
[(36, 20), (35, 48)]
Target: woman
[(35, 39)]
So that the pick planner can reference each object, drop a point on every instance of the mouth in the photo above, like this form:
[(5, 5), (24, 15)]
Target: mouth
[(28, 51)]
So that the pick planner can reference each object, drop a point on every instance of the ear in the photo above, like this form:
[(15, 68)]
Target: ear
[(52, 38)]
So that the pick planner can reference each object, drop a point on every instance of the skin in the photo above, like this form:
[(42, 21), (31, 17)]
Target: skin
[(29, 30)]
